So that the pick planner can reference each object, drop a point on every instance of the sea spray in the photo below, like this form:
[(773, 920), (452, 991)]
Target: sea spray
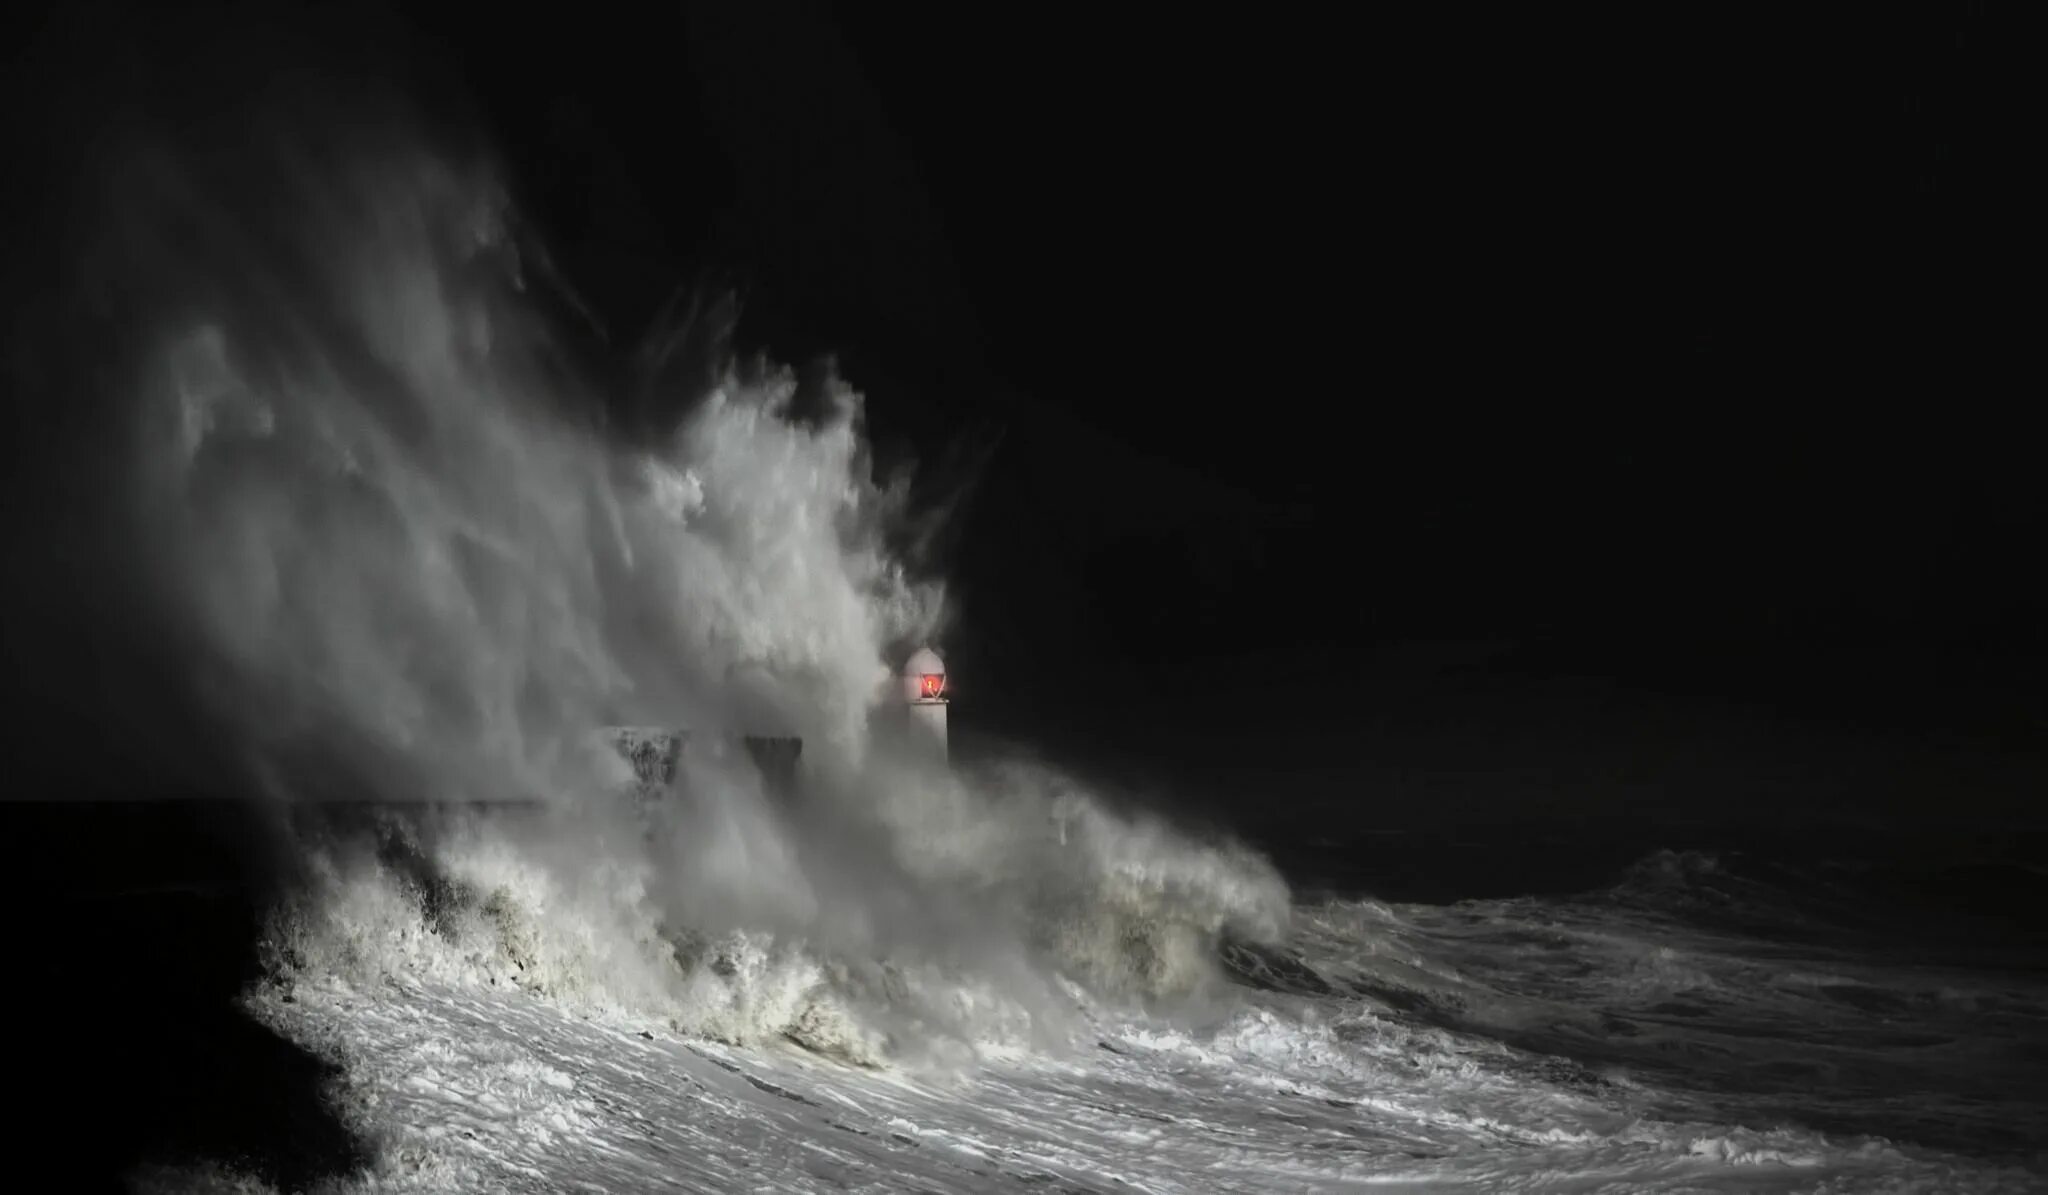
[(420, 564)]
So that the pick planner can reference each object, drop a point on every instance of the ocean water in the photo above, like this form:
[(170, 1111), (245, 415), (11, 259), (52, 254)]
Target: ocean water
[(397, 560), (453, 1014)]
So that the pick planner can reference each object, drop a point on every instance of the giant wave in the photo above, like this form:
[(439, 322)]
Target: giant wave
[(416, 559)]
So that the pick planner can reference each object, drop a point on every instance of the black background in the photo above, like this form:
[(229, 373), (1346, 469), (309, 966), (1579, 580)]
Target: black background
[(1481, 414)]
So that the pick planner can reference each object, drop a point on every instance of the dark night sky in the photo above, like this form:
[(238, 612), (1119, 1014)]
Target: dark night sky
[(1520, 414)]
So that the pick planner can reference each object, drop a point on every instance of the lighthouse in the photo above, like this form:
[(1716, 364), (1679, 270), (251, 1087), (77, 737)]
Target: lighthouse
[(923, 692)]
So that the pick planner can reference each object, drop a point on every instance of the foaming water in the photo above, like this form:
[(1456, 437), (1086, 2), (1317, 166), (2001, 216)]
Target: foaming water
[(1381, 1047), (901, 949)]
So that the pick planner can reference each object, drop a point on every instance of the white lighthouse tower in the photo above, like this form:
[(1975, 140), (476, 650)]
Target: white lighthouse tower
[(923, 681)]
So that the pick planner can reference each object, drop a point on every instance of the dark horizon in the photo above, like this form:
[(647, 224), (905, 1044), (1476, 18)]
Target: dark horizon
[(1503, 418)]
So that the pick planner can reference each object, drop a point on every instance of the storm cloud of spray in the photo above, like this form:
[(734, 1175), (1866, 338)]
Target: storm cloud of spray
[(414, 559), (380, 496)]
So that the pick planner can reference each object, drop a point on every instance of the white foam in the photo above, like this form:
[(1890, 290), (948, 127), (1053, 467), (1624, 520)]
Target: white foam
[(465, 1089)]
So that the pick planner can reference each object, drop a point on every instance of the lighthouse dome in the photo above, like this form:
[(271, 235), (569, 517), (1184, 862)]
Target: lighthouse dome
[(924, 676)]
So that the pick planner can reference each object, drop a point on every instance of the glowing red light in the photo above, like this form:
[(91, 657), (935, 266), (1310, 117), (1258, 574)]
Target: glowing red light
[(930, 684)]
